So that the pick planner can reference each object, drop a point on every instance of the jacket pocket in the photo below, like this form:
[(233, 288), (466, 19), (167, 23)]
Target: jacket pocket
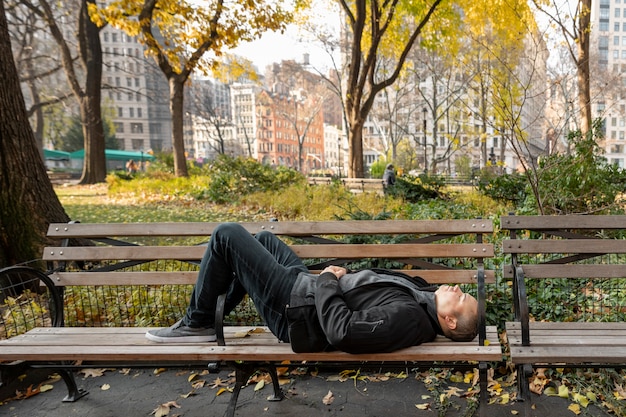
[(305, 332)]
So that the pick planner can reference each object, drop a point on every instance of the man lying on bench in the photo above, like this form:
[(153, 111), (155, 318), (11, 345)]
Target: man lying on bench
[(370, 311)]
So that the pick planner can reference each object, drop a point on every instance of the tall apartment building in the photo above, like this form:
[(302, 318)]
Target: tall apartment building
[(138, 93), (609, 52)]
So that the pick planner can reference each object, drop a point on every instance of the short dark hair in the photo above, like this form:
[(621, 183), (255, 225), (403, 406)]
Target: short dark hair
[(466, 329)]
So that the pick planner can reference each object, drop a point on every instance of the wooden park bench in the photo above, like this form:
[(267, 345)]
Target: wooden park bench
[(355, 185), (103, 279), (582, 258)]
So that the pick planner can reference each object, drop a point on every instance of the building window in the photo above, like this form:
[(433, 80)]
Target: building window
[(120, 112), (131, 112), (119, 127), (137, 144), (136, 127)]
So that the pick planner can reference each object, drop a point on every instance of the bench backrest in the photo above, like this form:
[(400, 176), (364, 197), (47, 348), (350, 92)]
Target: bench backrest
[(582, 257), (440, 251)]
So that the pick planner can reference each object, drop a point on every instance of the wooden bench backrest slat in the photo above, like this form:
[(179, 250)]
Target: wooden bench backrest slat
[(101, 230), (564, 246), (189, 277), (96, 253), (569, 271), (547, 223)]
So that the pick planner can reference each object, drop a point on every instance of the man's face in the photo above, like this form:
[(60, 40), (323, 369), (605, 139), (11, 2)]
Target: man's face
[(453, 302)]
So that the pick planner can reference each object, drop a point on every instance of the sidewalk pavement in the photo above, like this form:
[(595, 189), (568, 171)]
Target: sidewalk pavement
[(145, 392)]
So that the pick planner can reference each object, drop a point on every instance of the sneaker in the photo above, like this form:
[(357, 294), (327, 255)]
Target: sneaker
[(179, 333)]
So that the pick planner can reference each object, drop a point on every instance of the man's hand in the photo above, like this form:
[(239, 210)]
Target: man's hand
[(338, 271)]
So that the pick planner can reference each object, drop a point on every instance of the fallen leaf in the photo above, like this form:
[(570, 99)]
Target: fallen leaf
[(563, 391), (158, 371), (574, 408), (453, 391), (191, 377), (164, 409), (328, 398), (105, 387), (223, 390), (46, 387), (198, 384), (93, 372), (514, 412), (259, 385), (425, 406)]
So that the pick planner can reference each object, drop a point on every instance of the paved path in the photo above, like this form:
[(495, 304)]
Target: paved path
[(139, 392)]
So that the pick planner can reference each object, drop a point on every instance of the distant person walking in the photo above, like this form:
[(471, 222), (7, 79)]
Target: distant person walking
[(389, 176), (131, 167)]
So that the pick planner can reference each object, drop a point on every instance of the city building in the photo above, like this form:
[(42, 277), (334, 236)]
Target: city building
[(609, 68)]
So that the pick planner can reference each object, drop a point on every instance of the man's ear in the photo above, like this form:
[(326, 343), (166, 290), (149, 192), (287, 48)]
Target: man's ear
[(450, 322)]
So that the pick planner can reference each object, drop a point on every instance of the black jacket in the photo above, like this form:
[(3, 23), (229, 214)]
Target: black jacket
[(364, 312)]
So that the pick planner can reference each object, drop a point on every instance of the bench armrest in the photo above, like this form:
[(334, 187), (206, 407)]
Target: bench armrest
[(520, 304), (17, 281)]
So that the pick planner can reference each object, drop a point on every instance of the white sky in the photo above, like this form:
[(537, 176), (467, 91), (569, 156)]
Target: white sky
[(294, 43)]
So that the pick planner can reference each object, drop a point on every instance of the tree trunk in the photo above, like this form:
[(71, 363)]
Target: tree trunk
[(355, 149), (177, 85), (94, 166), (583, 73), (28, 202)]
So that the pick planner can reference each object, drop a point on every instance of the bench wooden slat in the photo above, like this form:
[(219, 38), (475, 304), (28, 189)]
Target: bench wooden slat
[(105, 344), (562, 222), (564, 354), (189, 277), (558, 246), (291, 228), (564, 327), (97, 253), (571, 342), (569, 271)]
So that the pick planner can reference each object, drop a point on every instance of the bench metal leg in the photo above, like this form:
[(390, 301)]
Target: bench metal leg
[(523, 388), (243, 372), (484, 395), (73, 392)]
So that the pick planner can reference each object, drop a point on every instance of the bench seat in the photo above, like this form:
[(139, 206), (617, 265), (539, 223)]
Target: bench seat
[(120, 344), (568, 343)]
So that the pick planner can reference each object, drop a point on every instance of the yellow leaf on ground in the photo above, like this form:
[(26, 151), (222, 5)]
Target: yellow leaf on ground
[(581, 399), (259, 385), (469, 377), (574, 408), (105, 387), (46, 387), (158, 371), (563, 391), (425, 406)]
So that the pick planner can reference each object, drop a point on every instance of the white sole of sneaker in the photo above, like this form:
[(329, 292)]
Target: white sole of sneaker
[(181, 339)]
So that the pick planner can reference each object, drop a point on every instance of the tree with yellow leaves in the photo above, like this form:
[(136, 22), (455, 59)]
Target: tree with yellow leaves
[(180, 34)]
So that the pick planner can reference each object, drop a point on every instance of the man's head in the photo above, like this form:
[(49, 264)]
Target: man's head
[(457, 313)]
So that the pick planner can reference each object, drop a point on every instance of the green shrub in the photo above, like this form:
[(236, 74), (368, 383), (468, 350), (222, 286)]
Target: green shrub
[(506, 188), (232, 178), (413, 189)]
